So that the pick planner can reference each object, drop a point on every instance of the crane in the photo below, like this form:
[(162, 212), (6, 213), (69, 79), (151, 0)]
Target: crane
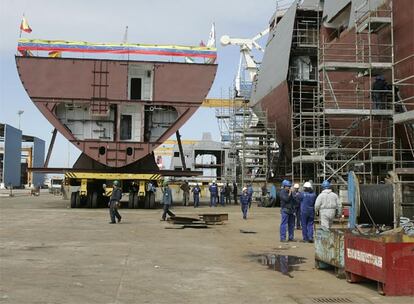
[(246, 47)]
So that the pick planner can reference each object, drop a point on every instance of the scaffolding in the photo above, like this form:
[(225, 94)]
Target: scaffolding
[(336, 126), (358, 114), (225, 117), (403, 119), (255, 145), (306, 116), (250, 140), (341, 120)]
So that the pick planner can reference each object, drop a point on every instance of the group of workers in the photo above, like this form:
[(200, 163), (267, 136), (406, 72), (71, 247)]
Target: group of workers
[(303, 205), (298, 208), (218, 194)]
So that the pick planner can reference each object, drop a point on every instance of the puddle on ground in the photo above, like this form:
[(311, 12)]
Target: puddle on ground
[(284, 264)]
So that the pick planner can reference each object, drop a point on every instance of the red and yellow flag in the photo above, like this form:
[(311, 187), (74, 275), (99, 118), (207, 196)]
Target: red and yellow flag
[(55, 54), (24, 26)]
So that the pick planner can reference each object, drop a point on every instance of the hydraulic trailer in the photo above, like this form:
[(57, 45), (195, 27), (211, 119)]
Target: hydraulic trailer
[(93, 190)]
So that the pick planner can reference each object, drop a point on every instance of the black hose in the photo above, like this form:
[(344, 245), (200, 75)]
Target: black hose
[(376, 204)]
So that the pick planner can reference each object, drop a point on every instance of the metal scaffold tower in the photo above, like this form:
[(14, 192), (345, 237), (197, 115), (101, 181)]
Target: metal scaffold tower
[(348, 123), (306, 119), (250, 141), (355, 112), (225, 118)]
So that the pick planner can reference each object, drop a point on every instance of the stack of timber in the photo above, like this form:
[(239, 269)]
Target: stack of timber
[(214, 218), (181, 222)]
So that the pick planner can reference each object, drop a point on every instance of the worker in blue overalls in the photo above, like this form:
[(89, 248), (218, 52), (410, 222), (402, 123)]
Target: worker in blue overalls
[(167, 201), (296, 196), (114, 202), (222, 194), (213, 194), (244, 202), (287, 211), (196, 194), (250, 193), (307, 211)]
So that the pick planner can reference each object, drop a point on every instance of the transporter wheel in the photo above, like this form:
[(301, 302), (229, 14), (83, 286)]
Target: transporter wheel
[(89, 200), (131, 200), (152, 200), (78, 200), (73, 199), (141, 202), (136, 201), (94, 200), (147, 201)]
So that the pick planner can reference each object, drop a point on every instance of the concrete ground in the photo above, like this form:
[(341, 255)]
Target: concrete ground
[(50, 253)]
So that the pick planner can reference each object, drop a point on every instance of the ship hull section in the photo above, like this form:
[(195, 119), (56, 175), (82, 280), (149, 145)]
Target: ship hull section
[(116, 112)]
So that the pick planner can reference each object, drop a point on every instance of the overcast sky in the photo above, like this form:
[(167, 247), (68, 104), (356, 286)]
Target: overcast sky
[(185, 22)]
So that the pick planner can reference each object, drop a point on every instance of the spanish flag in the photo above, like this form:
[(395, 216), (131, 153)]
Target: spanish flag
[(24, 26)]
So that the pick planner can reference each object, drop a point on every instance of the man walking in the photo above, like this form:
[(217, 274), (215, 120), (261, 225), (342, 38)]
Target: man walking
[(114, 200), (250, 193), (213, 194), (287, 211), (186, 192), (167, 201), (196, 194), (235, 193), (228, 194), (327, 205), (296, 198), (307, 213), (244, 202)]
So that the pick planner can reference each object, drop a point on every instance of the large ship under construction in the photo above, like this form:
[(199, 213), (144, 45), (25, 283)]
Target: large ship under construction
[(116, 111), (317, 81)]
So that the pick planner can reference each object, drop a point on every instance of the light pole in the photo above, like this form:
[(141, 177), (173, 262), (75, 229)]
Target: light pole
[(20, 112)]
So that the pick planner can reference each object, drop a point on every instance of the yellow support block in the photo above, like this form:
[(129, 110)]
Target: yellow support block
[(142, 188), (221, 103), (84, 187), (183, 141)]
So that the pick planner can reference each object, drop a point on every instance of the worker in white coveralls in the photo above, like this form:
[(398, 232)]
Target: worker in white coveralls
[(327, 205)]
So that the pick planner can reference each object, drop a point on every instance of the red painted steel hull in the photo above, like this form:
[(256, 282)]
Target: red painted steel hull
[(51, 82), (277, 105), (277, 102)]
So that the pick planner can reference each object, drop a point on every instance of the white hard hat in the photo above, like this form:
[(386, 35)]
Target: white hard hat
[(214, 180), (296, 186), (307, 185), (244, 188)]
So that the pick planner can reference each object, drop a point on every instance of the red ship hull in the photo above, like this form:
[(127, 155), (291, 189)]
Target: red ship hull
[(116, 112)]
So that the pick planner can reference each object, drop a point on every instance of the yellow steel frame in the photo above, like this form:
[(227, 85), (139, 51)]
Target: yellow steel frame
[(84, 177), (111, 176), (221, 103)]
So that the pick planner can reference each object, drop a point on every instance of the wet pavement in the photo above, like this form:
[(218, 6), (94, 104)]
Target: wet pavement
[(285, 264)]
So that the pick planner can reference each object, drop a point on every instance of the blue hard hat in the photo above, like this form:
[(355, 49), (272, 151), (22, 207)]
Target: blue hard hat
[(286, 183), (379, 77), (326, 184)]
